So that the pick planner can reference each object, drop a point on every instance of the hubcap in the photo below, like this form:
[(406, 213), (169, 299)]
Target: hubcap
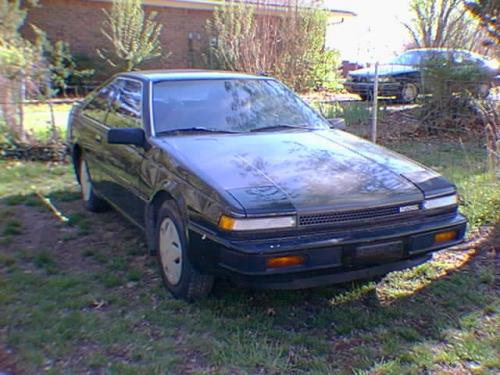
[(410, 92), (484, 90), (85, 183), (170, 251)]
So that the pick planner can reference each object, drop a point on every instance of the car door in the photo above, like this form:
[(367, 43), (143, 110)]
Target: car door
[(92, 132), (124, 161)]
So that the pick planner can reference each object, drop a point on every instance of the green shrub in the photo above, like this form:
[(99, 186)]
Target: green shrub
[(481, 199)]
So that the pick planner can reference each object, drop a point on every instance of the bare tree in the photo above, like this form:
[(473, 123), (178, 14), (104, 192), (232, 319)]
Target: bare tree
[(286, 40), (488, 12), (442, 23)]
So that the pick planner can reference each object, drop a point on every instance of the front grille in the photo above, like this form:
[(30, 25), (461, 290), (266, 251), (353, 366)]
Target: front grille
[(351, 216)]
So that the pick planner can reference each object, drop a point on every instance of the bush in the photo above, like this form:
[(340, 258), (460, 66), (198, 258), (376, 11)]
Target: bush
[(63, 69), (450, 94), (288, 44)]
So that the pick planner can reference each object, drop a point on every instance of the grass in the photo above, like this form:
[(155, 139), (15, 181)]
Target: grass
[(38, 122), (356, 114), (90, 300), (465, 165), (23, 179)]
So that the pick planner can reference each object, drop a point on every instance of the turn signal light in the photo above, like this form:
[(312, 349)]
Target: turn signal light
[(261, 223), (445, 236), (286, 261)]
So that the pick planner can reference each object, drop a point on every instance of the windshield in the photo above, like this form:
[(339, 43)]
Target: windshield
[(231, 105), (408, 58)]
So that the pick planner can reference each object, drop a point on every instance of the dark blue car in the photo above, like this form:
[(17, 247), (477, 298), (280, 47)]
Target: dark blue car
[(234, 176), (403, 76)]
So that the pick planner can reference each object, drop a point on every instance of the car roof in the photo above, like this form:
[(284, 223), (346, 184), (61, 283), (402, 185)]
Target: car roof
[(440, 49), (187, 75)]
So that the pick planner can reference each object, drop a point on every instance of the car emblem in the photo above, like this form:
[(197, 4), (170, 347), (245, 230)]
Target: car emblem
[(412, 207)]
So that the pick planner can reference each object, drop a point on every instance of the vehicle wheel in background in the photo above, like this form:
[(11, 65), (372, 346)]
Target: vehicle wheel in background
[(90, 200), (483, 90), (409, 93), (179, 275), (365, 97)]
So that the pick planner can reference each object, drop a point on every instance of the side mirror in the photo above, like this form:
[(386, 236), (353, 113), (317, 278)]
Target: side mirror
[(127, 136), (337, 123)]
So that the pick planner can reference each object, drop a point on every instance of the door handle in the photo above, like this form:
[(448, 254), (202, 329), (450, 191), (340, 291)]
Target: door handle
[(98, 138)]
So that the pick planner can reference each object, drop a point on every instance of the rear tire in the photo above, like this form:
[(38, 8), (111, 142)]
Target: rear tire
[(365, 97), (483, 90), (90, 200), (179, 275)]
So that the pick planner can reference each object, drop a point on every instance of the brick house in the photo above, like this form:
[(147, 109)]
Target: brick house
[(78, 22)]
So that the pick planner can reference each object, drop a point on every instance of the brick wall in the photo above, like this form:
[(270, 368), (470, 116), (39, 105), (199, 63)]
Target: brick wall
[(79, 23)]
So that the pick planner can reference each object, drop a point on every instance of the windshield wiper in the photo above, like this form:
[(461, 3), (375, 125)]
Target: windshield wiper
[(194, 129), (275, 127)]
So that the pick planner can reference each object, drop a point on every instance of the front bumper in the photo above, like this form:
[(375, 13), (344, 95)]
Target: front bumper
[(330, 257), (366, 88)]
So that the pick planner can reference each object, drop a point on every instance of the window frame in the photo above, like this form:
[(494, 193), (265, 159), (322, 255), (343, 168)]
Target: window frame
[(257, 78)]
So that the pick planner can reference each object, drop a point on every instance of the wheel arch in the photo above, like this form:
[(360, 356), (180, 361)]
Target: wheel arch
[(76, 154), (166, 192)]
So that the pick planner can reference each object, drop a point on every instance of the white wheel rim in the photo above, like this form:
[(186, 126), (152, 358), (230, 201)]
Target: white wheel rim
[(484, 90), (170, 251), (85, 183), (409, 92)]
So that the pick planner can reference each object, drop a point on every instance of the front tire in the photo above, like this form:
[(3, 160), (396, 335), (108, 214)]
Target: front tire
[(90, 200), (409, 93), (179, 275)]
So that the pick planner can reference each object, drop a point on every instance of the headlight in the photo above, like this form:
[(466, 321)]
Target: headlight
[(230, 223), (449, 200)]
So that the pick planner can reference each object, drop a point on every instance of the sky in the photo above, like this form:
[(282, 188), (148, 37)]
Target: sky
[(376, 34)]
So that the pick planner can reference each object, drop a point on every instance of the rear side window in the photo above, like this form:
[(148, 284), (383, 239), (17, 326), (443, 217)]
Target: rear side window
[(126, 105)]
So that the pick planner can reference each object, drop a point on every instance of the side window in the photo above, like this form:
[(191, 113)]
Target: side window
[(98, 107), (126, 106), (461, 58)]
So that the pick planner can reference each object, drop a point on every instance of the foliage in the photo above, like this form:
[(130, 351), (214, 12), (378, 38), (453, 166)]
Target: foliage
[(354, 113), (482, 200), (62, 66), (452, 92), (464, 163), (29, 69), (287, 43), (12, 17), (22, 68), (135, 37), (488, 12), (443, 23)]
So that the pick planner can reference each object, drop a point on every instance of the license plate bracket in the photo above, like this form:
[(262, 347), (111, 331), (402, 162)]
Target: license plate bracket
[(380, 252)]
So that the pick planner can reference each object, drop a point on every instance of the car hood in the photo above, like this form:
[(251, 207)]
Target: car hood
[(384, 70), (300, 171)]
